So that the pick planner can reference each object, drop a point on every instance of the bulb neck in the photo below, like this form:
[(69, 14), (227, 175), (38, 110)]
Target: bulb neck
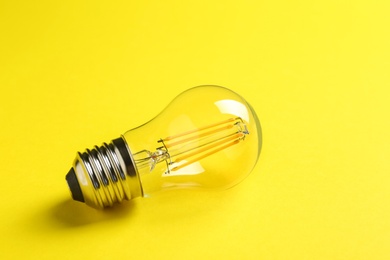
[(104, 175)]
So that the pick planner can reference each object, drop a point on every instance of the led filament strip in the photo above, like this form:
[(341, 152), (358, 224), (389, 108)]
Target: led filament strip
[(181, 150)]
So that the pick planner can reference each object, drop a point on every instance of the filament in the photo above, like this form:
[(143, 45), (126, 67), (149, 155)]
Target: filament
[(209, 146), (205, 155), (197, 130), (169, 145), (183, 149)]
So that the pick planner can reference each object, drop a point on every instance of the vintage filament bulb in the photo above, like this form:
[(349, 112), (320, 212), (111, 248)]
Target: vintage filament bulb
[(208, 137)]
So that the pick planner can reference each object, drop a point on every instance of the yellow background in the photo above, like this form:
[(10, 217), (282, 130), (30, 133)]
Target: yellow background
[(77, 73)]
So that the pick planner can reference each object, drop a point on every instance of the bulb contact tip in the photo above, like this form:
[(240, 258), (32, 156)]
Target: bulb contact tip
[(74, 186)]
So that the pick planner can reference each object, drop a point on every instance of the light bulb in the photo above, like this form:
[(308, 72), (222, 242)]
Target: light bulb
[(208, 137)]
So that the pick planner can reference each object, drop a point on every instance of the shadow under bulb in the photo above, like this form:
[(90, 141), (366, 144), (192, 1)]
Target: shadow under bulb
[(208, 137)]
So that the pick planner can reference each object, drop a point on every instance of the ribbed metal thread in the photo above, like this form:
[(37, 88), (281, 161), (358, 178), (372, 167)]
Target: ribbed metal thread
[(106, 174)]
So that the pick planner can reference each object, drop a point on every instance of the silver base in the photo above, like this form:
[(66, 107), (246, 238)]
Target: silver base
[(104, 175)]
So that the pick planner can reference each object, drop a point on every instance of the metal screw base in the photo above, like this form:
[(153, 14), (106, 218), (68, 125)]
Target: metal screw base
[(104, 175)]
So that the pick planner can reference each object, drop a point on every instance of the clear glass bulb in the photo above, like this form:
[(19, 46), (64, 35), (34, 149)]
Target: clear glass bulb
[(207, 137)]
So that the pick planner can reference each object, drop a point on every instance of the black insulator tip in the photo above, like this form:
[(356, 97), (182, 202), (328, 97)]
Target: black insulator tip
[(74, 186)]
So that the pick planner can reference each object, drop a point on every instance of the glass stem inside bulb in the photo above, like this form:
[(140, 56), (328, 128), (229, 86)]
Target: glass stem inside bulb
[(182, 149)]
